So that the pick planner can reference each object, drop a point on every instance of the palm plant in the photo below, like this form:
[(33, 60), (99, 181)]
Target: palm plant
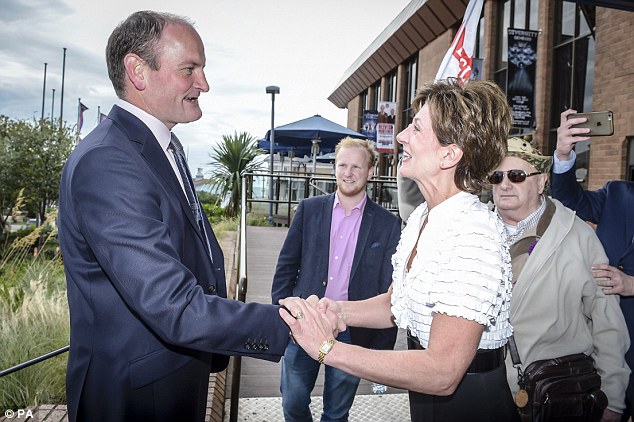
[(230, 159)]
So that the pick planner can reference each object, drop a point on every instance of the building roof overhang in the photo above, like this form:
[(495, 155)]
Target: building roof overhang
[(420, 22)]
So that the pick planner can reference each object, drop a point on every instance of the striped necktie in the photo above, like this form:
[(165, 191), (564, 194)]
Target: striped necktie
[(179, 156)]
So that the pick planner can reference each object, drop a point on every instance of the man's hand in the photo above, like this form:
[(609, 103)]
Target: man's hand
[(612, 280), (610, 416), (309, 326), (568, 136), (333, 317)]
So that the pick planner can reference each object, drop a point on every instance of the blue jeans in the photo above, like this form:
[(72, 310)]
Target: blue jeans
[(299, 373)]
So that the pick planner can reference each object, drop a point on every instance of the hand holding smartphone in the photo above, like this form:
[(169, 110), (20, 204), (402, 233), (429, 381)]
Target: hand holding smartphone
[(601, 123)]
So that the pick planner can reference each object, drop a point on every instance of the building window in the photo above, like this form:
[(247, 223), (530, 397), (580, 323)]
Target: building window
[(517, 14), (410, 85), (363, 106), (376, 88), (479, 47), (573, 68), (391, 86), (573, 54)]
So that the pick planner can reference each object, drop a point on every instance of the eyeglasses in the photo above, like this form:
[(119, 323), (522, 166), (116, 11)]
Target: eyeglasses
[(515, 176)]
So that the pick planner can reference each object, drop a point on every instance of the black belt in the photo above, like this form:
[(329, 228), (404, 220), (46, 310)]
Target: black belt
[(485, 360)]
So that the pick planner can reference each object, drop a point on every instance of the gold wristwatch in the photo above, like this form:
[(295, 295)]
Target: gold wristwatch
[(325, 348)]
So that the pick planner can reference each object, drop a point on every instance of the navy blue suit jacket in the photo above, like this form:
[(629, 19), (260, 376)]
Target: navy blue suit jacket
[(148, 310), (302, 267), (610, 208)]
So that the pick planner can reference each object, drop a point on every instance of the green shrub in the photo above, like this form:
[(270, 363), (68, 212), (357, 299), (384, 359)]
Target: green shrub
[(34, 320), (256, 219)]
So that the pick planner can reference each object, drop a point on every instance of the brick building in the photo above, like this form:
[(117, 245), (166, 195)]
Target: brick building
[(584, 61)]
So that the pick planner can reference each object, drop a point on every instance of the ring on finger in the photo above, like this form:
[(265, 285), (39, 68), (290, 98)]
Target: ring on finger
[(299, 315)]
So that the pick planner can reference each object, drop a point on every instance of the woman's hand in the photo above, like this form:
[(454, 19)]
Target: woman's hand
[(310, 327), (612, 280)]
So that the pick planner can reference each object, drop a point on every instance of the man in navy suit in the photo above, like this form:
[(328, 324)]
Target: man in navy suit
[(338, 246), (146, 286), (610, 208)]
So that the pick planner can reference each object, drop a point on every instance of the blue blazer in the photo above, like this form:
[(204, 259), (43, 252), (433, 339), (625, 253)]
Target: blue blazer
[(148, 310), (302, 267), (610, 208)]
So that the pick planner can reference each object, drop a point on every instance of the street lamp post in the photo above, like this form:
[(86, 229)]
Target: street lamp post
[(272, 90)]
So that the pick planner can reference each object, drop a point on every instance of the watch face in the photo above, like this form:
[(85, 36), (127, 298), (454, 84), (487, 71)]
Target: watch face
[(326, 346)]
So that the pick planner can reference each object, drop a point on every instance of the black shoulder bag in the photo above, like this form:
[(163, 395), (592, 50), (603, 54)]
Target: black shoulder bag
[(567, 388)]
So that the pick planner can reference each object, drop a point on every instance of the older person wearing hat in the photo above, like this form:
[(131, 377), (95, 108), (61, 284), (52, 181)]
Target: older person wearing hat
[(557, 308)]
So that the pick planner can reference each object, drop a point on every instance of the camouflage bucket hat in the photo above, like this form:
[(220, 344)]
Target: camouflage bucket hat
[(521, 148)]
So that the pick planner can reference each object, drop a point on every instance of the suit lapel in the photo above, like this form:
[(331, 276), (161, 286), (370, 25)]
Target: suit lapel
[(151, 150)]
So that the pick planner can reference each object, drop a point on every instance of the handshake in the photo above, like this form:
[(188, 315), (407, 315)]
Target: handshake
[(312, 321)]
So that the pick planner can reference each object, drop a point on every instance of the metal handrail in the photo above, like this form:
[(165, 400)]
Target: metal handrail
[(312, 189), (241, 295), (34, 361)]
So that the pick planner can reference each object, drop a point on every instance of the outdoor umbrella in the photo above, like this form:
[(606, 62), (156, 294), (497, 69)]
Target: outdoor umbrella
[(298, 151), (303, 134)]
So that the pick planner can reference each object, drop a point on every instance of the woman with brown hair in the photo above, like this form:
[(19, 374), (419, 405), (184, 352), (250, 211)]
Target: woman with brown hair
[(452, 273)]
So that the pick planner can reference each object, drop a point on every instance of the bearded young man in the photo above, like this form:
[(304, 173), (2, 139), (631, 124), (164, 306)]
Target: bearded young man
[(338, 246)]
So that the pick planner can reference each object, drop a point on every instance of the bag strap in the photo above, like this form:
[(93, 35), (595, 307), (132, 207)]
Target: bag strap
[(515, 356), (521, 247)]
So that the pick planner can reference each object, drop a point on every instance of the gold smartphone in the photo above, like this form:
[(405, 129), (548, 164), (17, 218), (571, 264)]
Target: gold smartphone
[(601, 123)]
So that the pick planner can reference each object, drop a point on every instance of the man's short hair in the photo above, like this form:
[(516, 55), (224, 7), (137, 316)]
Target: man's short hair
[(139, 34), (349, 142)]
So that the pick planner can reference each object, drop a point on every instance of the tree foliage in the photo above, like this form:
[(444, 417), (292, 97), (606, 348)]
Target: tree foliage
[(235, 155), (32, 155)]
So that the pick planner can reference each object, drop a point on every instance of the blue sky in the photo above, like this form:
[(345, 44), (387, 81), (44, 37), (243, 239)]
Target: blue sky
[(304, 47)]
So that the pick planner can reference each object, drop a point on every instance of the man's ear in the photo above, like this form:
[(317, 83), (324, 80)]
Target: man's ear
[(543, 179), (135, 69)]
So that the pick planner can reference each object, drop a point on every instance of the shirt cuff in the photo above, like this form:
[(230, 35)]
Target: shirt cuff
[(563, 166)]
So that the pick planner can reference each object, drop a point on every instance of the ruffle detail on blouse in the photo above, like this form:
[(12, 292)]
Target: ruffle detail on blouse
[(462, 268)]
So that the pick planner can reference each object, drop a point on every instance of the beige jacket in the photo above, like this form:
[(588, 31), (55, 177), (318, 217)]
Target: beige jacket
[(557, 308)]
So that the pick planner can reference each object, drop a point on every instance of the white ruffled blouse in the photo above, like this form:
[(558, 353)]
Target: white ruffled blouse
[(462, 268)]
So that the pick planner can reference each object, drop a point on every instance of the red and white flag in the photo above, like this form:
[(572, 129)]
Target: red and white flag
[(459, 59)]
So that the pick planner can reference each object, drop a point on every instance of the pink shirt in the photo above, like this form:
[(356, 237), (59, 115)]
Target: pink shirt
[(344, 232)]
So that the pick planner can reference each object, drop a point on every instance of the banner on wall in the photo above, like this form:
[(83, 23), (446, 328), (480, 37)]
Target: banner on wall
[(520, 78), (385, 136), (370, 119)]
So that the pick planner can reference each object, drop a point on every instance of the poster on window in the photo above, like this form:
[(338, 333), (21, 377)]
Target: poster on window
[(520, 82), (370, 118), (385, 126)]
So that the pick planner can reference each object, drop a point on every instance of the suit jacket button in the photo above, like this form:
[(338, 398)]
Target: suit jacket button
[(212, 289)]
